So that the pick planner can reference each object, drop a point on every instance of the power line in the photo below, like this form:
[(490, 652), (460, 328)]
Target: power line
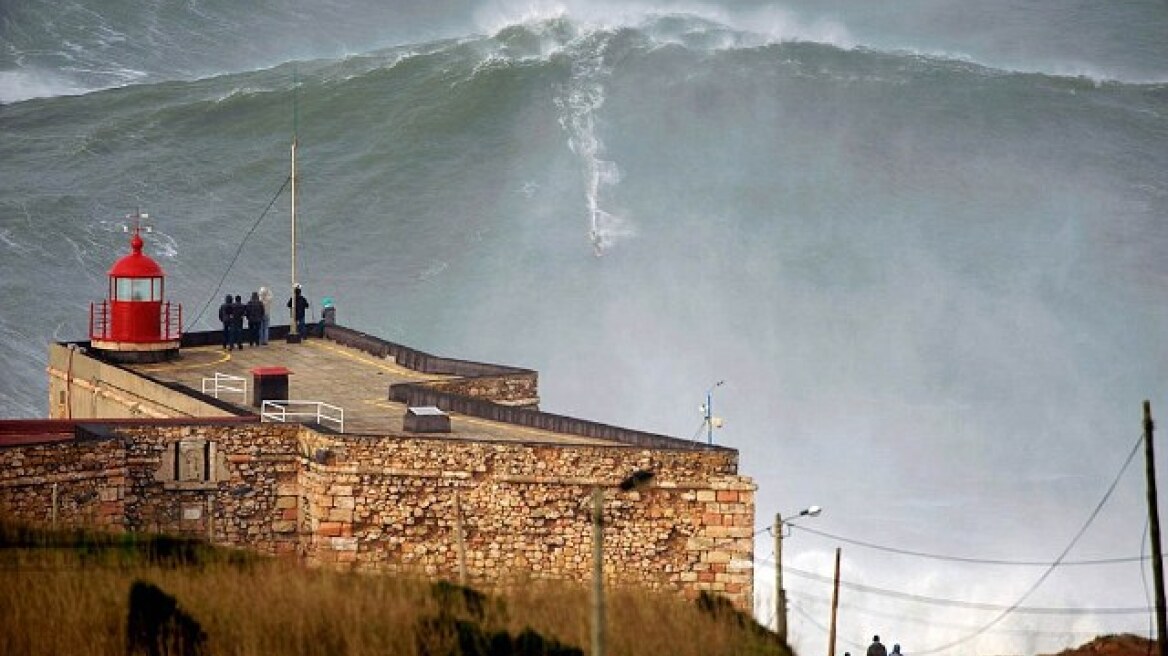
[(978, 561), (971, 605), (1003, 610), (814, 599), (1071, 545), (238, 250), (817, 624)]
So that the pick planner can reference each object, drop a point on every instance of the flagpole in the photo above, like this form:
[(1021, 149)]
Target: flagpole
[(293, 327)]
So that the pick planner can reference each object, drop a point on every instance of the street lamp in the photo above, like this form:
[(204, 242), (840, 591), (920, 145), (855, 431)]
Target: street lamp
[(636, 481), (780, 593)]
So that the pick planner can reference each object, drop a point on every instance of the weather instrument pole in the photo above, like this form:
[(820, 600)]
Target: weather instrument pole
[(711, 421), (1154, 529)]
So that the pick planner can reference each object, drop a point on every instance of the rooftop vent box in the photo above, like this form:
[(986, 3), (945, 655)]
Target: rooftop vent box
[(426, 419)]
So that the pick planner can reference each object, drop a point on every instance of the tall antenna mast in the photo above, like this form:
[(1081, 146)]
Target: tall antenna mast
[(293, 328)]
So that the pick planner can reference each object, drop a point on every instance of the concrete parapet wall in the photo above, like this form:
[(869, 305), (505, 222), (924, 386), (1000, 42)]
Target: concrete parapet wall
[(424, 394), (411, 358), (82, 386)]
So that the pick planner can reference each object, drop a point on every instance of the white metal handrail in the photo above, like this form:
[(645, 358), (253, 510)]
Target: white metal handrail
[(283, 410), (225, 383)]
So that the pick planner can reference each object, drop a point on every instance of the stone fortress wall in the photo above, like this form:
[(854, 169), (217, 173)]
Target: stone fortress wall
[(386, 502), (394, 503)]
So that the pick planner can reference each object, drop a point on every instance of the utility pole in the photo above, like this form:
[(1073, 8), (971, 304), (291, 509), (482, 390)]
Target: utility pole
[(780, 594), (460, 540), (1154, 529), (834, 605), (597, 572), (635, 481)]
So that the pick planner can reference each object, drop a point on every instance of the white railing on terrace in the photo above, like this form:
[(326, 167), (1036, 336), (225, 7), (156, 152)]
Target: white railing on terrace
[(318, 411), (225, 383)]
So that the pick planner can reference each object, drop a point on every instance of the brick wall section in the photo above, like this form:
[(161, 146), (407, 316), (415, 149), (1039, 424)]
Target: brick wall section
[(90, 476), (389, 503), (253, 501)]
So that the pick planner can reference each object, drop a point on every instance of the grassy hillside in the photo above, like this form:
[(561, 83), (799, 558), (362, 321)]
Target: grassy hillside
[(1114, 645), (69, 593)]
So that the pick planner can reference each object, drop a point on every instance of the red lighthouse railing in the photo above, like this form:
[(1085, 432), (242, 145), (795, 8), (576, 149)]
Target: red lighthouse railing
[(99, 320), (170, 322)]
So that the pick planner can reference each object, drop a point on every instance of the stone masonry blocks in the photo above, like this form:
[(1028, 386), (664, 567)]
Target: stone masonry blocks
[(393, 503)]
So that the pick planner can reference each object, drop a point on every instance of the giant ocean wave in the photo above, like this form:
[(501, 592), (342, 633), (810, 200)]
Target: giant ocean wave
[(914, 261)]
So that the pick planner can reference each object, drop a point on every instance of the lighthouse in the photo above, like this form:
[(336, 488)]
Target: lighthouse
[(135, 323)]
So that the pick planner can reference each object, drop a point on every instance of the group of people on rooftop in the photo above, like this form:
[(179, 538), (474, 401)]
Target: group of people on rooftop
[(257, 312)]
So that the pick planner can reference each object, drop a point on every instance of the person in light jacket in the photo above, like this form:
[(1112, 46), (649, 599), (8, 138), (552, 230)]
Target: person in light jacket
[(265, 295)]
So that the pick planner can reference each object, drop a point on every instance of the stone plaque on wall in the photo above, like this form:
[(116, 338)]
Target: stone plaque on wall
[(192, 460)]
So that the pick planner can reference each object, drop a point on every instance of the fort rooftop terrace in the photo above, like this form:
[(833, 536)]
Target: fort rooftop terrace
[(354, 371)]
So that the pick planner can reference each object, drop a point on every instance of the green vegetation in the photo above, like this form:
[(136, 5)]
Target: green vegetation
[(68, 592)]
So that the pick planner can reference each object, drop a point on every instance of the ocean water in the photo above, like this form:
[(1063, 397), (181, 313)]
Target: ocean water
[(923, 244)]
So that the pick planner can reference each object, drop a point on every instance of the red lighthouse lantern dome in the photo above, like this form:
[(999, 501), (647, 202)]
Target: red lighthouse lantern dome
[(135, 323)]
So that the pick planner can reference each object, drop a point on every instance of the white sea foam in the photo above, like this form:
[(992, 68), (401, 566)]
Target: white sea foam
[(20, 85), (7, 239), (434, 269), (579, 102), (164, 245)]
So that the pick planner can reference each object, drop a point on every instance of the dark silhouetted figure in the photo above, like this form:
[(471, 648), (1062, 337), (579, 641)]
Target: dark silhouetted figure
[(876, 648), (301, 306), (254, 311), (225, 319), (895, 651), (238, 310), (157, 626)]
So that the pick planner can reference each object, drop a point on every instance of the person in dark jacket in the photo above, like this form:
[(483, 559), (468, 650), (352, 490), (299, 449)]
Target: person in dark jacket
[(237, 312), (225, 319), (877, 648), (254, 311), (301, 306)]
